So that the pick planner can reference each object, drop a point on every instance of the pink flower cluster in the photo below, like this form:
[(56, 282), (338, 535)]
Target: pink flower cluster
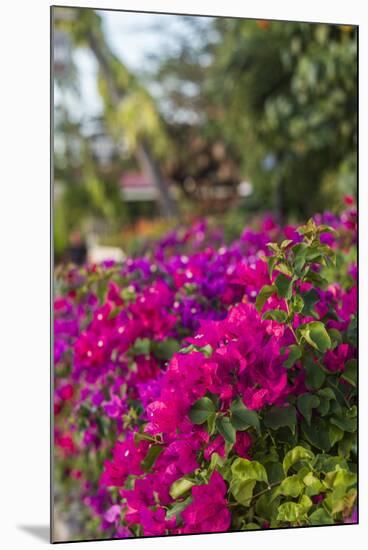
[(137, 345)]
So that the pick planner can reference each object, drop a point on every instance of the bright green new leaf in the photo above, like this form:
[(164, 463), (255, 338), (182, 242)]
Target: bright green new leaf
[(250, 526), (313, 484), (245, 470), (180, 486), (290, 512), (295, 455), (291, 486), (242, 490)]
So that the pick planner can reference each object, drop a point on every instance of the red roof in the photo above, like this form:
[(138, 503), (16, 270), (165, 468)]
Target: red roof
[(135, 180)]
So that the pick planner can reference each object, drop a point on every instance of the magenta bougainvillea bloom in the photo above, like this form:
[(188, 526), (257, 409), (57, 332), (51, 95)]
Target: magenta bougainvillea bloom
[(179, 392), (208, 512)]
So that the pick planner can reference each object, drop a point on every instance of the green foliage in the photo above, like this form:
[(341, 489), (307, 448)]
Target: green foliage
[(245, 474), (226, 429), (278, 417), (201, 410), (320, 421), (290, 90), (180, 487), (243, 418)]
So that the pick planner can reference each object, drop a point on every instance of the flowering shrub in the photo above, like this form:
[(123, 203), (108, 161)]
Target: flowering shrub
[(208, 387)]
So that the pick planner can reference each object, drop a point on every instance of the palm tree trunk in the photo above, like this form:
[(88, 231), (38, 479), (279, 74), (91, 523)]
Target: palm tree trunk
[(143, 152)]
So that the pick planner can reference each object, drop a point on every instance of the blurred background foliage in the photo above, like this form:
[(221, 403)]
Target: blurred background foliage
[(237, 117)]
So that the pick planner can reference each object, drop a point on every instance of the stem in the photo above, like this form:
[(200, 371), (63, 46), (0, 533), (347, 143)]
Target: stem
[(270, 486), (290, 323)]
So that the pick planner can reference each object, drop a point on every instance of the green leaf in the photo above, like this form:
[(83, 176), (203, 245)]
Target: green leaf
[(334, 501), (315, 375), (180, 486), (153, 453), (326, 229), (242, 491), (317, 434), (296, 455), (275, 315), (306, 403), (250, 526), (206, 350), (345, 423), (226, 429), (275, 471), (165, 350), (325, 396), (295, 353), (291, 486), (335, 336), (299, 251), (316, 335), (245, 470), (141, 346), (320, 517), (245, 474), (243, 418), (336, 434), (215, 460), (284, 286), (265, 293), (211, 423), (315, 278), (274, 247), (285, 243), (143, 437), (297, 303), (350, 372), (310, 298), (309, 229), (313, 485), (177, 508), (352, 332), (277, 417), (347, 445), (271, 262), (327, 393), (306, 502), (290, 512), (282, 267), (267, 504), (201, 410)]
